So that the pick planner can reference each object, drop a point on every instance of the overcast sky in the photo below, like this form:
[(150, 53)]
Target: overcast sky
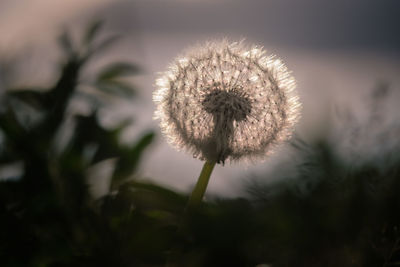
[(307, 23), (367, 24)]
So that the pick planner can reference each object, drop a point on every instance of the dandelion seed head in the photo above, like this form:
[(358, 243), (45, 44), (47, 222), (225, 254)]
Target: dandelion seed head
[(226, 101)]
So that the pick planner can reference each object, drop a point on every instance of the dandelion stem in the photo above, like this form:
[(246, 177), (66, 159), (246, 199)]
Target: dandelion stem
[(201, 185), (194, 200)]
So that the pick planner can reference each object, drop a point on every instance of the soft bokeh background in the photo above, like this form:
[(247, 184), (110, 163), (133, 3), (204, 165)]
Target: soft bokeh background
[(338, 51), (86, 178)]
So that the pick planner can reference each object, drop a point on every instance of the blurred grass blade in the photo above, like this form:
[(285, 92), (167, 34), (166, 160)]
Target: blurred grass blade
[(33, 97), (92, 31), (117, 70), (128, 163), (120, 88), (66, 44)]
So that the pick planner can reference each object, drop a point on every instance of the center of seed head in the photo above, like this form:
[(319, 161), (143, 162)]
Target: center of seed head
[(230, 104)]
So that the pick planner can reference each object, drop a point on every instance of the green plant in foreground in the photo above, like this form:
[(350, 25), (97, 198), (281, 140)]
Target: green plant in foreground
[(48, 215)]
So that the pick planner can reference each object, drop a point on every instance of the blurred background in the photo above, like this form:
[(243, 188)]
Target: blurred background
[(76, 99), (337, 51)]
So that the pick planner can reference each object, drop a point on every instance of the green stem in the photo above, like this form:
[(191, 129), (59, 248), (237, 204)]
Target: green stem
[(194, 200), (201, 185)]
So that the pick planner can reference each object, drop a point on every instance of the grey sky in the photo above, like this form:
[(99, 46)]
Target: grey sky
[(308, 23)]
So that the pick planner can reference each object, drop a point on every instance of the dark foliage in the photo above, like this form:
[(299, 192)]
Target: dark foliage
[(341, 215)]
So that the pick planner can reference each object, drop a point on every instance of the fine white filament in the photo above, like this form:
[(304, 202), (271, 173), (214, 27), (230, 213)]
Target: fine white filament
[(226, 102)]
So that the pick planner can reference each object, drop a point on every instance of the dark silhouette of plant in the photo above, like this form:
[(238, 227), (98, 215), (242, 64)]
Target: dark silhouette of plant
[(47, 214)]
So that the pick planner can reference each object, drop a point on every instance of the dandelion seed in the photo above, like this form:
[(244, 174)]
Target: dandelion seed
[(226, 102)]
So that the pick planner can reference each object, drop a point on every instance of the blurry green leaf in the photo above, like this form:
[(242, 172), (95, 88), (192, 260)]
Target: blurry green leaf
[(89, 131), (115, 87), (140, 146), (65, 43), (299, 144), (11, 128), (162, 191), (117, 70), (130, 158), (159, 215), (92, 31), (60, 95), (33, 97)]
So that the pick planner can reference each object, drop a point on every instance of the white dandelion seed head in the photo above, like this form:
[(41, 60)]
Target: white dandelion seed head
[(226, 102)]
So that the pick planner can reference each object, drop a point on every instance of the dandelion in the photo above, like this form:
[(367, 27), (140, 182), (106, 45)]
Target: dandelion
[(226, 102)]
